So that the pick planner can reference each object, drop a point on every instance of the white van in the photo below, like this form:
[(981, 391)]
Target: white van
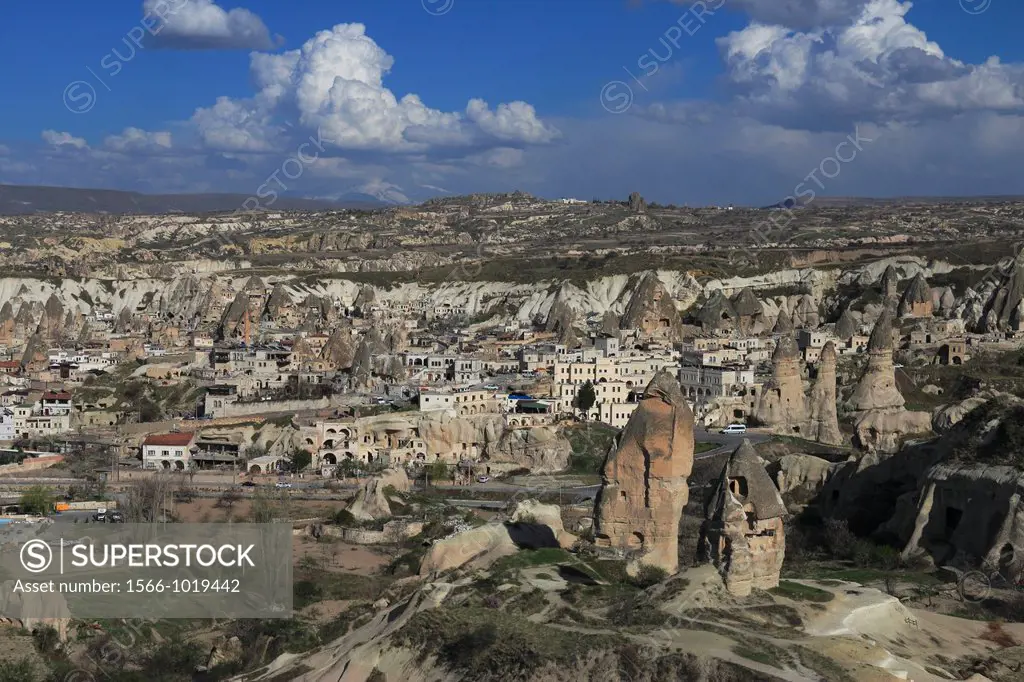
[(734, 428)]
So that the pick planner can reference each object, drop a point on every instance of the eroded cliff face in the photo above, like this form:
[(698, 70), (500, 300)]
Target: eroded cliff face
[(953, 500), (206, 294), (645, 479)]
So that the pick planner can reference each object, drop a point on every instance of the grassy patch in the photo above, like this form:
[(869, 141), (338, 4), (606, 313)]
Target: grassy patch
[(758, 654), (800, 592), (488, 644), (868, 575), (698, 448), (823, 665), (636, 610), (546, 556), (590, 444), (527, 603), (315, 586)]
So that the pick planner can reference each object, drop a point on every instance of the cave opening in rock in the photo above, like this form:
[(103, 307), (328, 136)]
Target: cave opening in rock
[(953, 517), (738, 486)]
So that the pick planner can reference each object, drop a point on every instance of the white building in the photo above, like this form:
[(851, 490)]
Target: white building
[(171, 451), (6, 424), (703, 384)]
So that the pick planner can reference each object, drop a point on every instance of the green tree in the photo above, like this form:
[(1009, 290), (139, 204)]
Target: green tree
[(437, 471), (37, 500), (301, 459), (585, 398), (149, 411)]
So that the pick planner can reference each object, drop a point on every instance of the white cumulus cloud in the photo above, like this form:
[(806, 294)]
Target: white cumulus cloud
[(335, 85), (136, 139), (62, 139), (202, 24), (876, 67)]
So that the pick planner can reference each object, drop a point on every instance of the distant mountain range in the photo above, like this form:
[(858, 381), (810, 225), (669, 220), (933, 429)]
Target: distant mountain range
[(836, 202), (22, 199), (27, 199)]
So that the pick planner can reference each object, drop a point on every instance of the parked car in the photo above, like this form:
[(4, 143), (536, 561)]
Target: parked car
[(491, 387), (100, 516), (734, 429), (483, 479), (282, 484), (248, 484), (116, 517)]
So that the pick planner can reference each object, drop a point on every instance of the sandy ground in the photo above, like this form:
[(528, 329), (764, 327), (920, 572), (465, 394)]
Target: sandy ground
[(325, 611), (15, 645), (329, 556), (205, 510), (864, 625), (338, 557)]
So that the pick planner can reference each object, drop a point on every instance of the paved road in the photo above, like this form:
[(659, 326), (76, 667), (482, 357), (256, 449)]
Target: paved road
[(727, 442)]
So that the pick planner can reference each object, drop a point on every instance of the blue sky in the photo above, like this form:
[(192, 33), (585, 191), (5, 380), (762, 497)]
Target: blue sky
[(748, 97)]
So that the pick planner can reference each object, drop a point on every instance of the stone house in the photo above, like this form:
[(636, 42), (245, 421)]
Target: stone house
[(953, 352), (743, 534)]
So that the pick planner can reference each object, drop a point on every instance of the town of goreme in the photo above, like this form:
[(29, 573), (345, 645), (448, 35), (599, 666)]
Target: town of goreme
[(417, 342)]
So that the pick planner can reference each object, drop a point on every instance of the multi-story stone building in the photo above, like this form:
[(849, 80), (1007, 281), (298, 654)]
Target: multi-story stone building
[(170, 451)]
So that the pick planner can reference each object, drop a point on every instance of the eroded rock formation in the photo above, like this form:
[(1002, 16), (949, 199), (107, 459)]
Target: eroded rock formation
[(652, 310), (889, 283), (917, 299), (881, 422), (782, 405), (846, 326), (645, 479), (637, 203), (1001, 310), (823, 419), (743, 534), (371, 502), (749, 311), (717, 312)]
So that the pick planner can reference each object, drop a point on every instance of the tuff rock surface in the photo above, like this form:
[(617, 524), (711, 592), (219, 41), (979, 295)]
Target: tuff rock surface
[(645, 479), (742, 533)]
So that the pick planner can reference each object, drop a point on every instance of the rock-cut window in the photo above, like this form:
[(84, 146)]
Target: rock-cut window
[(738, 486)]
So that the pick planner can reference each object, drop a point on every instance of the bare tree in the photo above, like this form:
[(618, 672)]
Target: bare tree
[(146, 499)]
